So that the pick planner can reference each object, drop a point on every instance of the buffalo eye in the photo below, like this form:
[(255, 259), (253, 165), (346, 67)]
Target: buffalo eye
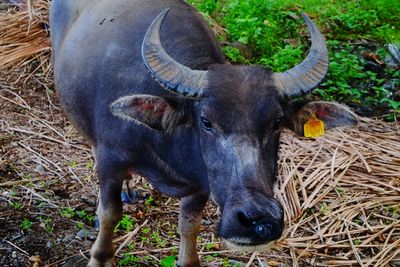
[(278, 123), (206, 123)]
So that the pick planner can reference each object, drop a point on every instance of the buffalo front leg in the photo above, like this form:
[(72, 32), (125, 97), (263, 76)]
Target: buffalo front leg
[(189, 227), (109, 211)]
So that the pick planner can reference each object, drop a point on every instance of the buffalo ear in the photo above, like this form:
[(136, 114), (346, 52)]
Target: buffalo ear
[(331, 113), (155, 112)]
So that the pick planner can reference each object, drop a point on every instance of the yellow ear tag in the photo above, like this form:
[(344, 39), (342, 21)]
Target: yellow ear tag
[(314, 127)]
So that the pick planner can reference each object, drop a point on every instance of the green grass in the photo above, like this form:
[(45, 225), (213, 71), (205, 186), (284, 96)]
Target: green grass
[(126, 223), (168, 261), (277, 38), (80, 216), (26, 225), (17, 205), (129, 260)]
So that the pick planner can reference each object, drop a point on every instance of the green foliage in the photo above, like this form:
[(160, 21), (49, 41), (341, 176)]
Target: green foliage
[(48, 225), (233, 55), (146, 230), (392, 211), (358, 221), (158, 240), (149, 201), (67, 212), (277, 37), (210, 246), (90, 165), (26, 225), (284, 58), (324, 209), (206, 6), (80, 216), (153, 238), (347, 81), (27, 176), (225, 263), (16, 205), (45, 223), (129, 260), (81, 213), (168, 261), (262, 25), (126, 223), (73, 164), (80, 225), (208, 258)]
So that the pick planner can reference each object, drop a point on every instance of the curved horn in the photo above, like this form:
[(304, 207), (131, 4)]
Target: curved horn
[(172, 75), (309, 73)]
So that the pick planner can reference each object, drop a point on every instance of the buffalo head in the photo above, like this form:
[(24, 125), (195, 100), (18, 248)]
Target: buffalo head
[(238, 113)]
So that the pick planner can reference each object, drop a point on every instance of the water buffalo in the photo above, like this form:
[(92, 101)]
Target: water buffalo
[(146, 83)]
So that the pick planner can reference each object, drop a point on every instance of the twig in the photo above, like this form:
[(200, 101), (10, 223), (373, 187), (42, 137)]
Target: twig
[(42, 157), (18, 248), (39, 196), (352, 246), (130, 236), (65, 143), (253, 256), (11, 183)]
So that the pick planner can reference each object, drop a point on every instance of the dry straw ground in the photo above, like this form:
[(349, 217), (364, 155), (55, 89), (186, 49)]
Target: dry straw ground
[(341, 192)]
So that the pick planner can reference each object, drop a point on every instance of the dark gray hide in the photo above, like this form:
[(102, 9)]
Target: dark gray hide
[(217, 133)]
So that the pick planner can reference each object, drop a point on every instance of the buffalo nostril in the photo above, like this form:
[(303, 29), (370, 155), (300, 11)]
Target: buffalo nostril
[(264, 230), (248, 220)]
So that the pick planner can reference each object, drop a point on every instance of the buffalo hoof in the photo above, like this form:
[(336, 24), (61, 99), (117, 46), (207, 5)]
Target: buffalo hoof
[(129, 196)]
